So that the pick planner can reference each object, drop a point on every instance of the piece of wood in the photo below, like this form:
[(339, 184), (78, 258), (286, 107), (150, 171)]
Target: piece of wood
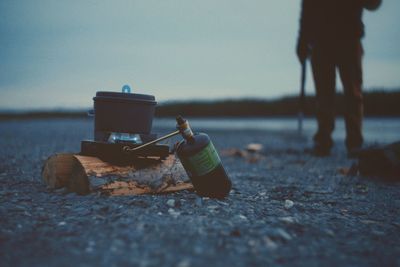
[(57, 170), (84, 174), (254, 148)]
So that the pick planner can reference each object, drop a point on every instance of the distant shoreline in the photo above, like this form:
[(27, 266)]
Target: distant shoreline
[(40, 116), (377, 104)]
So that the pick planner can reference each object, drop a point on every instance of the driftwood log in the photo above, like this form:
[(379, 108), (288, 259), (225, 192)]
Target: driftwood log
[(84, 174)]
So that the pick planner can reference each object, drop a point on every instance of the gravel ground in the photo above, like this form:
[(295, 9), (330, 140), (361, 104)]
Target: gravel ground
[(287, 209)]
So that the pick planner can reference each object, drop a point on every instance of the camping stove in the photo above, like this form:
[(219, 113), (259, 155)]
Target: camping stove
[(123, 119)]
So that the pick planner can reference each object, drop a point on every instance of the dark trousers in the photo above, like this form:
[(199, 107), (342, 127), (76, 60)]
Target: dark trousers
[(346, 57)]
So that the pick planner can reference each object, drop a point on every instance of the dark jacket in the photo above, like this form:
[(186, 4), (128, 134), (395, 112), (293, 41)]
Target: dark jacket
[(333, 20)]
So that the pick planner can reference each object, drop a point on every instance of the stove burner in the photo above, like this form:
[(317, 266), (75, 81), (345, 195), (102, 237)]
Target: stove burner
[(114, 152)]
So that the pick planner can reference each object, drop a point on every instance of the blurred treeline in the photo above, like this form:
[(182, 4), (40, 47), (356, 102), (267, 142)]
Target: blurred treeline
[(377, 103)]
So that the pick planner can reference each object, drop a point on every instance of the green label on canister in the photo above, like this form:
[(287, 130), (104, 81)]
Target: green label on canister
[(204, 161)]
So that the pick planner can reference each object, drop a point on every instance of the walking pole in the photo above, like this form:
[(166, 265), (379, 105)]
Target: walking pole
[(302, 96)]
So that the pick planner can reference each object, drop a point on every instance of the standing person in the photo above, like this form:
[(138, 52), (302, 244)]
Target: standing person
[(330, 33)]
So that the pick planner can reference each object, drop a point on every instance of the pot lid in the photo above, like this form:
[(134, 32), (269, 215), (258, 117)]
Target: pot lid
[(127, 96), (124, 96)]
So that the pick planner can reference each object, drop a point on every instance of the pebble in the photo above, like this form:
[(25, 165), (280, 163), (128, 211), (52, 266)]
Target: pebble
[(282, 233), (184, 263), (329, 232), (174, 213), (254, 147), (242, 217), (223, 203), (289, 220), (288, 204), (252, 243), (271, 245), (212, 207), (378, 233), (171, 203), (62, 223)]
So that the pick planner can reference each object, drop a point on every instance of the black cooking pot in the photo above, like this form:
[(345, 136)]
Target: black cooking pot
[(122, 113)]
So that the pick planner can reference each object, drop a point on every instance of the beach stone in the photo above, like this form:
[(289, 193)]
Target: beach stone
[(184, 263), (288, 204), (171, 203), (253, 147), (329, 232), (271, 245), (212, 207), (282, 233), (288, 219), (242, 217), (174, 213)]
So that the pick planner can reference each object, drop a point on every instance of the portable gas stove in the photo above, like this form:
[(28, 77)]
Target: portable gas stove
[(122, 122)]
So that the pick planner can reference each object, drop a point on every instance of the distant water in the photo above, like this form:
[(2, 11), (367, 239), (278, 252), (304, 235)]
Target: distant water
[(381, 130)]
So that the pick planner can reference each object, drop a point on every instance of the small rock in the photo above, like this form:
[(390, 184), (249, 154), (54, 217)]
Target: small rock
[(62, 223), (222, 203), (90, 247), (244, 218), (171, 203), (254, 147), (184, 263), (329, 232), (289, 220), (378, 233), (174, 213), (271, 245), (288, 204), (212, 207), (282, 233), (252, 243)]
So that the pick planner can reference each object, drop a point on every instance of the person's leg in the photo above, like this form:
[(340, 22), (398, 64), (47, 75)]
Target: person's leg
[(350, 70), (324, 79)]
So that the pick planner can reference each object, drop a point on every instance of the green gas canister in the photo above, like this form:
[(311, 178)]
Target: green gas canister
[(201, 162)]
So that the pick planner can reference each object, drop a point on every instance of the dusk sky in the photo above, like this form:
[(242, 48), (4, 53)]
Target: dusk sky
[(57, 54)]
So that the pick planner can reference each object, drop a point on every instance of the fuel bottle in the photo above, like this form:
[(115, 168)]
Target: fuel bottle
[(202, 162)]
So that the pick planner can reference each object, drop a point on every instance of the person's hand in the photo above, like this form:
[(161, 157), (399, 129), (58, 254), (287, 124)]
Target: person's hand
[(302, 50)]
